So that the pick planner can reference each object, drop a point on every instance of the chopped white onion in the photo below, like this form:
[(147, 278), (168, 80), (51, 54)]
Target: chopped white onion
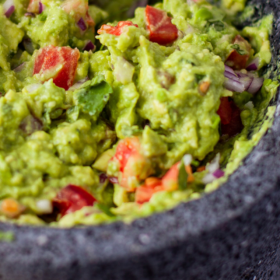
[(44, 206), (249, 105), (208, 178), (214, 164), (187, 159), (123, 70), (31, 88)]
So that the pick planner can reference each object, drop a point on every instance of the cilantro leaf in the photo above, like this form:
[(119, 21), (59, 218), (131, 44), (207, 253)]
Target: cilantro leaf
[(183, 177), (93, 96), (238, 49), (217, 24)]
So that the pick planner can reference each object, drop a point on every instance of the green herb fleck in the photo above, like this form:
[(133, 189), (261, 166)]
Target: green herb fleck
[(237, 48), (183, 177), (93, 96), (217, 24)]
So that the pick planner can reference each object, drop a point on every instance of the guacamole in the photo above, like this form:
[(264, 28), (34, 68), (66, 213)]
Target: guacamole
[(102, 122)]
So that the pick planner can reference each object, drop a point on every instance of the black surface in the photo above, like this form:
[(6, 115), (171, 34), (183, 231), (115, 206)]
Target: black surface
[(232, 233)]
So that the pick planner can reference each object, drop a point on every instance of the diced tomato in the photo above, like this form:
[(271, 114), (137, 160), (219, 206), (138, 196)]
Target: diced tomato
[(71, 199), (225, 110), (66, 76), (236, 60), (170, 179), (162, 30), (125, 149), (229, 113), (59, 63), (145, 192), (131, 162), (115, 30)]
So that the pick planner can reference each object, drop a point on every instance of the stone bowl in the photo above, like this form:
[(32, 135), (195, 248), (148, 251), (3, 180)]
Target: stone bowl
[(231, 233)]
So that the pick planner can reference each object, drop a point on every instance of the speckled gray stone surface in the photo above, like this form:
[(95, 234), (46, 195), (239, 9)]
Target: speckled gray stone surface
[(232, 233)]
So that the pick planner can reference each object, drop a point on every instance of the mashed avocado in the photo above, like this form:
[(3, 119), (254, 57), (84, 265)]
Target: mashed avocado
[(105, 122)]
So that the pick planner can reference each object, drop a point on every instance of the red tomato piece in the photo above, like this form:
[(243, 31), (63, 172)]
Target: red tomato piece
[(71, 199), (59, 63), (125, 149), (236, 60), (170, 179), (162, 30), (144, 193), (132, 164), (66, 76), (225, 111), (115, 30), (232, 121)]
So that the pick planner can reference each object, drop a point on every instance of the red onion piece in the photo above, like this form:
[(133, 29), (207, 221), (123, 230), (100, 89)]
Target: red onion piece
[(246, 81), (229, 70), (9, 7), (41, 7), (219, 173), (231, 76), (19, 68), (30, 124), (255, 85), (114, 180), (233, 85), (10, 11), (29, 15), (81, 24), (102, 178), (89, 46), (253, 65)]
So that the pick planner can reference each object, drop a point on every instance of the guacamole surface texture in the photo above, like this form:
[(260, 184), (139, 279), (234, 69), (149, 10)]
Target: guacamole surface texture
[(102, 122)]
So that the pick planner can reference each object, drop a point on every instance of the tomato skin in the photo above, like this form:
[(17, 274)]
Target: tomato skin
[(59, 63), (115, 30), (145, 192), (125, 149), (66, 76), (225, 110), (170, 179), (71, 199), (229, 113), (162, 30), (131, 162), (238, 61)]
